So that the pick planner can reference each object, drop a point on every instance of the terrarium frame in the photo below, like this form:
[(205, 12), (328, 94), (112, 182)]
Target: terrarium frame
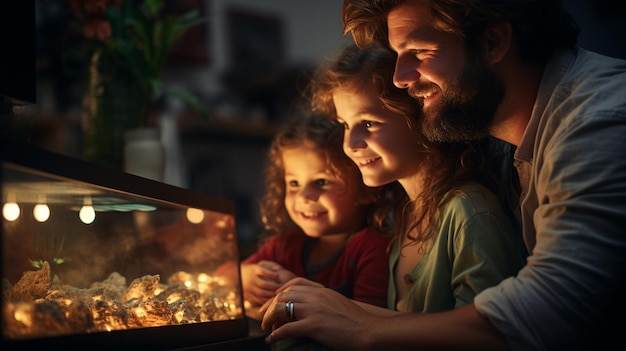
[(142, 274)]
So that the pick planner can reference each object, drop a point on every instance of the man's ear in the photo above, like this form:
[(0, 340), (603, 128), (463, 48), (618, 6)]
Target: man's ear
[(497, 41)]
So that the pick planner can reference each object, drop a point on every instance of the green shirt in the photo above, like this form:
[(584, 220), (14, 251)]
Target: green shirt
[(475, 248)]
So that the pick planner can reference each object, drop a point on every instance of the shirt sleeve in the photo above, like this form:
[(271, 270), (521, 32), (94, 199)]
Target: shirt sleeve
[(371, 269), (572, 287), (485, 248)]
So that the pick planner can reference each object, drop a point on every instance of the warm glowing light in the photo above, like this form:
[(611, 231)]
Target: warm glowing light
[(24, 315), (203, 277), (209, 306), (179, 316), (195, 215), (140, 312), (221, 224), (173, 298), (87, 214), (188, 283), (10, 211), (41, 212)]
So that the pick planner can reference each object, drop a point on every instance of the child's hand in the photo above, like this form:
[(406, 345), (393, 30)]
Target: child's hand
[(260, 280), (284, 276)]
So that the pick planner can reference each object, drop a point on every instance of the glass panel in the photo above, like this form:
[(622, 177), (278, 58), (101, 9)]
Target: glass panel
[(83, 258)]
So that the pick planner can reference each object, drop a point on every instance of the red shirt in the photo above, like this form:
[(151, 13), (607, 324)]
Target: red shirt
[(360, 271)]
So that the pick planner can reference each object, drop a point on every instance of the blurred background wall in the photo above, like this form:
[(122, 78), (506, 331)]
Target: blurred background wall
[(246, 65)]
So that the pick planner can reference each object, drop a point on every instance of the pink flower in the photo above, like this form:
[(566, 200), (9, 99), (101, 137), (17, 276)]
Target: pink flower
[(97, 28)]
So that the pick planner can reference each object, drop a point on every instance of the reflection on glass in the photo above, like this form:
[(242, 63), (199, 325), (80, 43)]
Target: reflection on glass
[(41, 212), (87, 214), (195, 215), (10, 211)]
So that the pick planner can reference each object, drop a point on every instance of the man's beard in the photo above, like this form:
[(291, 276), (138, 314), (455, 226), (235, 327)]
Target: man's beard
[(467, 107)]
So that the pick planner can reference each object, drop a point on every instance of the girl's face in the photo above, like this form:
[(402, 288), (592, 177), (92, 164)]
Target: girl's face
[(380, 142), (319, 203)]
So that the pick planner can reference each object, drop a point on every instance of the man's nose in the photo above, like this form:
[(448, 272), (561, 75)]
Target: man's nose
[(405, 73)]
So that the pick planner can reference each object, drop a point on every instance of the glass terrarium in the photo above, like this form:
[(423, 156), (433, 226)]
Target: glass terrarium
[(97, 257)]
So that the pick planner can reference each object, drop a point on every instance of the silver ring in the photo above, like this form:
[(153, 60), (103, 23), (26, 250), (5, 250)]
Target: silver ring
[(289, 309)]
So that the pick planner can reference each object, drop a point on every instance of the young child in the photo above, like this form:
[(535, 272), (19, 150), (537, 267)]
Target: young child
[(452, 236), (324, 223)]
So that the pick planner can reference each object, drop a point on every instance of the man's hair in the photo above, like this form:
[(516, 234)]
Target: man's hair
[(540, 27)]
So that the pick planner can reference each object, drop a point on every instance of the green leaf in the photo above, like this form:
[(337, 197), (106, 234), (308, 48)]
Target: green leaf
[(36, 264), (153, 6), (157, 88), (189, 99), (142, 37)]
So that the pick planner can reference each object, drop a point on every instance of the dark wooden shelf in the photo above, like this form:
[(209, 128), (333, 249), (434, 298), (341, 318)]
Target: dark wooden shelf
[(228, 129)]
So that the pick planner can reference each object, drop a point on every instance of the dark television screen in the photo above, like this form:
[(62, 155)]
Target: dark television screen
[(17, 62)]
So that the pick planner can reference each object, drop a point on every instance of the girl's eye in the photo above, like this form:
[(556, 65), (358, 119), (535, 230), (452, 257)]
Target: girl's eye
[(368, 124), (292, 183), (322, 182)]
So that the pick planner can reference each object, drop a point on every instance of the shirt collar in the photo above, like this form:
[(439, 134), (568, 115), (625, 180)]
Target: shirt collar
[(553, 73)]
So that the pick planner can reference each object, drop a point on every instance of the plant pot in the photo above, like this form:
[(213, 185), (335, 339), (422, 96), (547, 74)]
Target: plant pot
[(143, 153)]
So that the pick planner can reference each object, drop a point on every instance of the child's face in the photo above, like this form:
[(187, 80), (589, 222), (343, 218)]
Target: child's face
[(318, 202), (380, 142)]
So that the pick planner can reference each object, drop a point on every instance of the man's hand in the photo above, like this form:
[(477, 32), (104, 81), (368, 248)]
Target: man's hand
[(319, 313)]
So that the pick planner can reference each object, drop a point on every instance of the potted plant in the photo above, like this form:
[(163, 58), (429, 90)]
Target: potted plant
[(128, 42)]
